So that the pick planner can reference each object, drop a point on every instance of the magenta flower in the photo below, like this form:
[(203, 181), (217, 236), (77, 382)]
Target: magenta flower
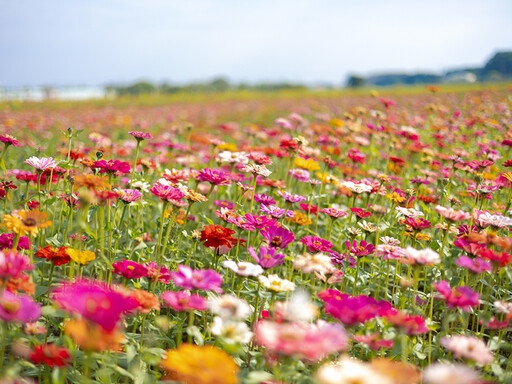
[(18, 308), (130, 269), (9, 140), (273, 211), (334, 213), (259, 222), (225, 204), (264, 199), (13, 264), (268, 257), (389, 251), (460, 297), (291, 198), (363, 249), (129, 195), (42, 163), (277, 237), (184, 301), (316, 244), (474, 265), (411, 324), (166, 192), (139, 136), (470, 248), (160, 273), (214, 176), (352, 310), (417, 224), (7, 241), (207, 280), (451, 214), (112, 166), (95, 301)]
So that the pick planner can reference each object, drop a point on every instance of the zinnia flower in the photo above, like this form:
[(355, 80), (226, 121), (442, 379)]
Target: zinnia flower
[(277, 237), (130, 269), (81, 257), (50, 355), (94, 301), (139, 136), (460, 297), (201, 279), (18, 308), (184, 301), (42, 163), (200, 365), (469, 348), (13, 264), (268, 257), (26, 222)]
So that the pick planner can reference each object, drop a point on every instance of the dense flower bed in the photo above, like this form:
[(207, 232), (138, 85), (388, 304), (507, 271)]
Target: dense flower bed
[(358, 240)]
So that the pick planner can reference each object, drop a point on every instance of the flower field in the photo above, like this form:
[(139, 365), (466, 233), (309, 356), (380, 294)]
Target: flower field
[(312, 239)]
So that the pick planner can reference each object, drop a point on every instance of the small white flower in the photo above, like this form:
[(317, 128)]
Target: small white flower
[(229, 306), (231, 331), (275, 283), (243, 268)]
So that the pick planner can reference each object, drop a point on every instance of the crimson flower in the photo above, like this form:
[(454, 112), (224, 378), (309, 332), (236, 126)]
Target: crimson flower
[(361, 249), (130, 269), (50, 355)]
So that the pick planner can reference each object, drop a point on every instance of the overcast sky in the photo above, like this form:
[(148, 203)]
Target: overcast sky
[(94, 42)]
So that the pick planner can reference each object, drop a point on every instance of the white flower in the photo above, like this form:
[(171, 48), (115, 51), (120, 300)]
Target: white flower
[(232, 157), (257, 169), (503, 307), (421, 256), (439, 373), (41, 163), (318, 262), (275, 283), (389, 240), (141, 185), (298, 308), (243, 268), (409, 212), (349, 371), (231, 331), (356, 188), (229, 306)]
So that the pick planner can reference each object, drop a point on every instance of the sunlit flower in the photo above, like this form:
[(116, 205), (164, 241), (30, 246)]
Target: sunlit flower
[(26, 222), (81, 257), (42, 163), (275, 283)]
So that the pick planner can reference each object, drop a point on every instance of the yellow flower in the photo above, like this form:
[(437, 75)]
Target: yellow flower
[(25, 222), (395, 197), (325, 177), (309, 164), (81, 257), (300, 219), (488, 176), (192, 364), (336, 123), (227, 147), (507, 176)]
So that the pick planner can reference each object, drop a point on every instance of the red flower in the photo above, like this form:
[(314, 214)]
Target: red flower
[(361, 213), (51, 355), (217, 236), (57, 256)]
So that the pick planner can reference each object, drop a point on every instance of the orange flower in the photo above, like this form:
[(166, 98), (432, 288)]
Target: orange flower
[(147, 300), (91, 182), (26, 222), (300, 219), (92, 337), (192, 364)]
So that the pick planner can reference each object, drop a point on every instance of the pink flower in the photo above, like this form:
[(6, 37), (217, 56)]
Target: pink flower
[(334, 213), (214, 176), (259, 222), (277, 237), (139, 136), (291, 198), (158, 273), (7, 241), (307, 341), (9, 140), (389, 251), (411, 324), (129, 195), (184, 301), (130, 269), (18, 308), (351, 310), (264, 199), (268, 258), (460, 297), (112, 166), (166, 192), (360, 250), (94, 301), (207, 280), (474, 265), (13, 264), (41, 163), (316, 244), (374, 341), (420, 256), (451, 214), (469, 348)]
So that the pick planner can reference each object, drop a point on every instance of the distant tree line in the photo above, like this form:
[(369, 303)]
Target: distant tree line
[(498, 68), (214, 86)]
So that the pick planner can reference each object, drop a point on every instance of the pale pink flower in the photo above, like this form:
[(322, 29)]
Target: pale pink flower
[(451, 214), (41, 163), (469, 348)]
